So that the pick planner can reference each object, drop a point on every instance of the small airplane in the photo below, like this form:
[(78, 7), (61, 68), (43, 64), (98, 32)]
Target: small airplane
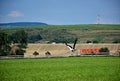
[(72, 49)]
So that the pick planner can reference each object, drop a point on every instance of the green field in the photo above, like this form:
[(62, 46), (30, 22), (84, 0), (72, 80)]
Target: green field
[(61, 69), (80, 27)]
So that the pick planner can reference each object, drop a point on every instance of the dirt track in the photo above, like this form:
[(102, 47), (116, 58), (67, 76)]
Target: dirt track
[(62, 50)]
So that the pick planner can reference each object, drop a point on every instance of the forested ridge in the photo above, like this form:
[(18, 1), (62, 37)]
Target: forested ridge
[(60, 33)]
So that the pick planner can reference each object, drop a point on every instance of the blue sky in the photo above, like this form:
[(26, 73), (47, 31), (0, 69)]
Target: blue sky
[(60, 11)]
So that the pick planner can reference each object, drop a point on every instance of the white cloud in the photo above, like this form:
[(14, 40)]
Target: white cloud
[(15, 14)]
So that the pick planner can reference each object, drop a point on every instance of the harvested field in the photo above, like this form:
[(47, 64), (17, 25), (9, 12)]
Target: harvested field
[(62, 50)]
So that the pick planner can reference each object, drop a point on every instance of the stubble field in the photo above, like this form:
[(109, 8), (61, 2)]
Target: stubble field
[(61, 69), (62, 50)]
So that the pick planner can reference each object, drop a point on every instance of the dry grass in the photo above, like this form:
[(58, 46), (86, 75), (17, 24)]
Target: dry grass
[(61, 49), (101, 35)]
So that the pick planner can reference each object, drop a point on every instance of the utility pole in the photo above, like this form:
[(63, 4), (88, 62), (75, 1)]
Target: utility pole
[(98, 19)]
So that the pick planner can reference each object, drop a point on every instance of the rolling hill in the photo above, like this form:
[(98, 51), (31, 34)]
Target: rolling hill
[(101, 33), (19, 24)]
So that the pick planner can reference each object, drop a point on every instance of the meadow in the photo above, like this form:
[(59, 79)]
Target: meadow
[(61, 69)]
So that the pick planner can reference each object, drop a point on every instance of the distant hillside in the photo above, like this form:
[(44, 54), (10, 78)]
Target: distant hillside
[(60, 33), (15, 24)]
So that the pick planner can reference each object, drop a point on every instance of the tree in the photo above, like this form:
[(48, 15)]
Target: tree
[(20, 37), (4, 43)]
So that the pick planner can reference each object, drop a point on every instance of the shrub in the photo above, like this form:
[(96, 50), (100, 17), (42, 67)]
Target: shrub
[(20, 52), (35, 53), (34, 38), (95, 41), (104, 50), (116, 41), (47, 53), (88, 41)]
